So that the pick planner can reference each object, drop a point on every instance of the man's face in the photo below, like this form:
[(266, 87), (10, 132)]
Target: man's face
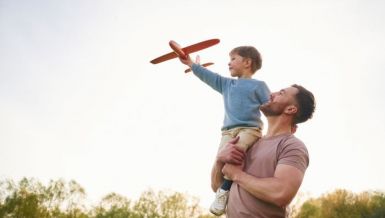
[(279, 101)]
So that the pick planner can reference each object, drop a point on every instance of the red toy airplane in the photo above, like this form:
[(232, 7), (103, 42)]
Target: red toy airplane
[(183, 52), (203, 65)]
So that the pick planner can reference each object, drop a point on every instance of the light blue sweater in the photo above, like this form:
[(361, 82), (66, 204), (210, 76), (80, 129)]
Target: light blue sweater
[(241, 97)]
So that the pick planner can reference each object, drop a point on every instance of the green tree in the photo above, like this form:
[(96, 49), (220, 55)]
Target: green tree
[(150, 204), (378, 205), (113, 206), (344, 204), (22, 199), (30, 198), (167, 205)]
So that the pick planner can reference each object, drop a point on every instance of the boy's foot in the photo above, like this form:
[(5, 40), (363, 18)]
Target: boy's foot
[(218, 207)]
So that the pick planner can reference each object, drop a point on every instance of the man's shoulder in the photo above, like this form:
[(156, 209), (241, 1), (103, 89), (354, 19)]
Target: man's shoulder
[(293, 142), (285, 141), (293, 138), (293, 152)]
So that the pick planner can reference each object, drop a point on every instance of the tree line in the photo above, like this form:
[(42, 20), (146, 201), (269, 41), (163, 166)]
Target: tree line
[(29, 198), (343, 204)]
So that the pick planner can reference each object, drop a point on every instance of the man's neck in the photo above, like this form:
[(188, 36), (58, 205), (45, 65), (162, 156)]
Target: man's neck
[(278, 126)]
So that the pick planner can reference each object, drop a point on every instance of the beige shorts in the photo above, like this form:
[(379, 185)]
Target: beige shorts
[(247, 136)]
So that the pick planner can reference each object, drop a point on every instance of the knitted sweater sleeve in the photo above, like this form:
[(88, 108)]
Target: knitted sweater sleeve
[(214, 80)]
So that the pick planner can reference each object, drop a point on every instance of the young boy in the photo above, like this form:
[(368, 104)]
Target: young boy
[(242, 98)]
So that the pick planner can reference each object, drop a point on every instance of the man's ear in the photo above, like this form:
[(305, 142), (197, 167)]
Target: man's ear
[(291, 109)]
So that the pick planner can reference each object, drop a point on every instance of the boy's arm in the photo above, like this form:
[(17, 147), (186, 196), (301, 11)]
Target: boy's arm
[(214, 80), (263, 93)]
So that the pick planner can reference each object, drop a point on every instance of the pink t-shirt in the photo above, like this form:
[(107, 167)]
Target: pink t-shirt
[(261, 161)]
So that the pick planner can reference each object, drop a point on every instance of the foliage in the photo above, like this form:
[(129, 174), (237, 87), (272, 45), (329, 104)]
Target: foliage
[(344, 204), (151, 205), (31, 199)]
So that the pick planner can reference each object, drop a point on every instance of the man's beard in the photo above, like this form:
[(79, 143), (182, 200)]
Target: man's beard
[(270, 109)]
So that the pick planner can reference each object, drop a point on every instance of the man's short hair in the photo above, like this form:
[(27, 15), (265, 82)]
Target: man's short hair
[(249, 52), (306, 104)]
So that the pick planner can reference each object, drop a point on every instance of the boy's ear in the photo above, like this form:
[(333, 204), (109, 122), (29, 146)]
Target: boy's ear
[(248, 62)]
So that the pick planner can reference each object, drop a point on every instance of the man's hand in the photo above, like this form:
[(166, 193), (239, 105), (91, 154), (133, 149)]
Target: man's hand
[(231, 171), (231, 154)]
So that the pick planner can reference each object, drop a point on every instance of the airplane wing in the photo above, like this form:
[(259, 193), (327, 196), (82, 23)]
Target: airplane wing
[(199, 46), (165, 57), (203, 65), (187, 50)]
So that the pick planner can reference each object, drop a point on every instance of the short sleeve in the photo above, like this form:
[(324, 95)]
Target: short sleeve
[(294, 153)]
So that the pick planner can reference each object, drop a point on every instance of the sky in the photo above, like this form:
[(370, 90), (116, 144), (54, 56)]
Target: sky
[(79, 99)]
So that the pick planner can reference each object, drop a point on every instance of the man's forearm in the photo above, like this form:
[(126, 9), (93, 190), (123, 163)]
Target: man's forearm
[(230, 154), (216, 175), (271, 189)]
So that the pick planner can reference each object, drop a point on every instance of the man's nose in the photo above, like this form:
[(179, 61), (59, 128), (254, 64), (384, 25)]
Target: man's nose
[(272, 95)]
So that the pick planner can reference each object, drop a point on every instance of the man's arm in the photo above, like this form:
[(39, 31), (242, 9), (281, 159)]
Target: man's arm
[(279, 189), (216, 175), (229, 154)]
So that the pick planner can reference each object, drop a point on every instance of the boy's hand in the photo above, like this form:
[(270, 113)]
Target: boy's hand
[(198, 60), (189, 62)]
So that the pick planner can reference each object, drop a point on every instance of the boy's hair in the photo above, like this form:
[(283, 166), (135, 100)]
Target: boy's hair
[(249, 52), (306, 104)]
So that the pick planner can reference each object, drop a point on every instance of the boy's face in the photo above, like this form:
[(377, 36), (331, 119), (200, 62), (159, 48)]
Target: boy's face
[(237, 65)]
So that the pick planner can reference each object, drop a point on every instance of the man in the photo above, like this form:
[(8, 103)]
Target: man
[(268, 177)]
